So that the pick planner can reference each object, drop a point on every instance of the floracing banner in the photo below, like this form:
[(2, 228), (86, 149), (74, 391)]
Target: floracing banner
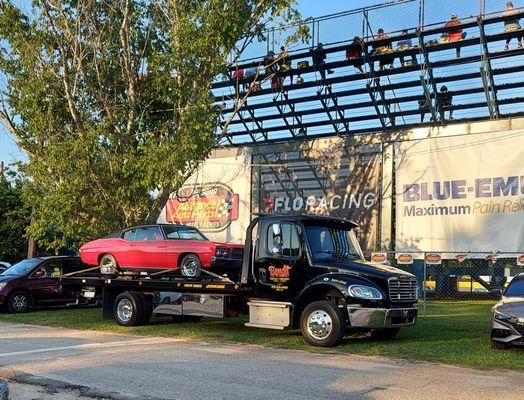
[(461, 193), (322, 177), (215, 199)]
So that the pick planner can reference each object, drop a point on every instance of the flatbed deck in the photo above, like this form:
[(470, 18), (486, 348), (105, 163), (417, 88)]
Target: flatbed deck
[(145, 283)]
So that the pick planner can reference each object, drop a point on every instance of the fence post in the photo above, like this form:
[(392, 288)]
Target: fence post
[(424, 288)]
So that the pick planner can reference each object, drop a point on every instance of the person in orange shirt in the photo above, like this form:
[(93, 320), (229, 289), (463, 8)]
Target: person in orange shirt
[(454, 35)]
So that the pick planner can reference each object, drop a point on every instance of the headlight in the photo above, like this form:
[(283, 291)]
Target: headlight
[(221, 252), (2, 285), (499, 315), (364, 292)]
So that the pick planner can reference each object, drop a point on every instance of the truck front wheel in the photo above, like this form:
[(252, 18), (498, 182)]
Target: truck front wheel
[(322, 324)]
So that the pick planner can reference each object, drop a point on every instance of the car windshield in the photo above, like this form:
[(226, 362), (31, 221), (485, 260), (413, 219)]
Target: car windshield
[(22, 268), (515, 289), (327, 242), (183, 233)]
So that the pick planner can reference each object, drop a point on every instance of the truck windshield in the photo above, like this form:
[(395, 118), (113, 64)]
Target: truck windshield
[(333, 243)]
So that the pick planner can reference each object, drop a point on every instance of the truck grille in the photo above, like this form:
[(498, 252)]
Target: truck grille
[(403, 290)]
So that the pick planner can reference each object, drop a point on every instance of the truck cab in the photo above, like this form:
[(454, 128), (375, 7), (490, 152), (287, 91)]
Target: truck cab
[(315, 266)]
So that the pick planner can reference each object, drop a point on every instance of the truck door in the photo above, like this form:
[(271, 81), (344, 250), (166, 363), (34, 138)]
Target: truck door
[(277, 261)]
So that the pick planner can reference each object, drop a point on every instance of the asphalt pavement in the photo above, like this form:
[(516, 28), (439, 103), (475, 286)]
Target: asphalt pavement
[(67, 364)]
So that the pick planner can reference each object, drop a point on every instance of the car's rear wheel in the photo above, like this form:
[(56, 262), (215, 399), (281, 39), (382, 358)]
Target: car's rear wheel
[(19, 302), (108, 265), (190, 266)]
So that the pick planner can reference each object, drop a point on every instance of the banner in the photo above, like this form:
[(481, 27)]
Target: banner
[(322, 177), (215, 199), (461, 193)]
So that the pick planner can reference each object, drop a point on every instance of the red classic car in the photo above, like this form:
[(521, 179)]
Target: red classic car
[(157, 247)]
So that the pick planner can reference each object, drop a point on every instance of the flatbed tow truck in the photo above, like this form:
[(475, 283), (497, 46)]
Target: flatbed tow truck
[(298, 271)]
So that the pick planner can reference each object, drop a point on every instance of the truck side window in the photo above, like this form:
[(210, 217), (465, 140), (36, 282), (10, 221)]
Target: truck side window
[(290, 241)]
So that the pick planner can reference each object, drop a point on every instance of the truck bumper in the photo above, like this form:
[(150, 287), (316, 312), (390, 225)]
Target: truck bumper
[(361, 317)]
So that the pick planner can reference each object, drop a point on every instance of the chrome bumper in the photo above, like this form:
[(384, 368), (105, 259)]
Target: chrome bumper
[(361, 317)]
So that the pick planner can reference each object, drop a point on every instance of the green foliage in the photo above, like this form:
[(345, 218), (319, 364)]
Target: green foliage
[(14, 219), (112, 101)]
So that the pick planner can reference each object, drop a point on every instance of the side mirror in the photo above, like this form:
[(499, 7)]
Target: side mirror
[(277, 240), (39, 274)]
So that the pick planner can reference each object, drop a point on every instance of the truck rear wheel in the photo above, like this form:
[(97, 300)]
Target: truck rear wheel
[(322, 324), (129, 309)]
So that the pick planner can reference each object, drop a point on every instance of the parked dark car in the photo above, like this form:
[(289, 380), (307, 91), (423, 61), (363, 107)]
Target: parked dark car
[(507, 316), (34, 282)]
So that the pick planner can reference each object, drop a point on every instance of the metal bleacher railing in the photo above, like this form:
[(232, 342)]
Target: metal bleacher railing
[(484, 82)]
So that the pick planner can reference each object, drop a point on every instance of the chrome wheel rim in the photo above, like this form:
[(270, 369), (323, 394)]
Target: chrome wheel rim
[(124, 310), (107, 266), (19, 302), (319, 324), (190, 267)]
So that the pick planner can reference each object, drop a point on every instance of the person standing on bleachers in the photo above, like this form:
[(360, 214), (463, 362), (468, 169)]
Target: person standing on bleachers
[(454, 35), (403, 45), (511, 25)]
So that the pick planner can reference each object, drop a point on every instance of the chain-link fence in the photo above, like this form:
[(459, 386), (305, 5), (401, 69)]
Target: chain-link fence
[(455, 275), (392, 16)]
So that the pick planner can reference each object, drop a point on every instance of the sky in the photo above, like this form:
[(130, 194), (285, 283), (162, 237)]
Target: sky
[(436, 11)]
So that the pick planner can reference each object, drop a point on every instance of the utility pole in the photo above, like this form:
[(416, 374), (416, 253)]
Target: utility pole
[(31, 244), (2, 174)]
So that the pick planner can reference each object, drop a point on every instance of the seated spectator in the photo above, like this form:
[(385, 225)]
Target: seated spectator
[(423, 107), (299, 80), (403, 45), (284, 63), (269, 63), (276, 82), (354, 53), (318, 56), (382, 47), (446, 102), (511, 25), (454, 35)]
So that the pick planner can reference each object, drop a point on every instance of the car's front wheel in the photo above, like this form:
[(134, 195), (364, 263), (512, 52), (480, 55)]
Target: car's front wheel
[(190, 266), (108, 265), (19, 302)]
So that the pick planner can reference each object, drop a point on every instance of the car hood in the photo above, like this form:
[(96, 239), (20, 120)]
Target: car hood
[(364, 268), (511, 306)]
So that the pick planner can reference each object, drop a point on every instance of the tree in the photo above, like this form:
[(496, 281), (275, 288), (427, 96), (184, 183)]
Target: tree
[(14, 219), (112, 101)]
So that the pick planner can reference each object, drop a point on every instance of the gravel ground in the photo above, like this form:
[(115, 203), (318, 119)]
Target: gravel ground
[(43, 362)]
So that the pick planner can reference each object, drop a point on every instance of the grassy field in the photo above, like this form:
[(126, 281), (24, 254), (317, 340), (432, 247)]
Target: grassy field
[(453, 332)]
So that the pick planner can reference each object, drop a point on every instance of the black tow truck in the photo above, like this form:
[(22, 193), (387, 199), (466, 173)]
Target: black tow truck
[(298, 271)]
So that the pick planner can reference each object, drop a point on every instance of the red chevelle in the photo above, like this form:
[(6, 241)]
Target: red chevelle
[(157, 247)]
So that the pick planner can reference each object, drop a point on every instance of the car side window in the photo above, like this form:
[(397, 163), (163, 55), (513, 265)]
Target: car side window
[(148, 234), (129, 235), (288, 241), (51, 269)]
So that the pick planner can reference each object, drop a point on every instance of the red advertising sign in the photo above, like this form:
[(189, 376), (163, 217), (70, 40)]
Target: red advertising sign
[(210, 207)]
